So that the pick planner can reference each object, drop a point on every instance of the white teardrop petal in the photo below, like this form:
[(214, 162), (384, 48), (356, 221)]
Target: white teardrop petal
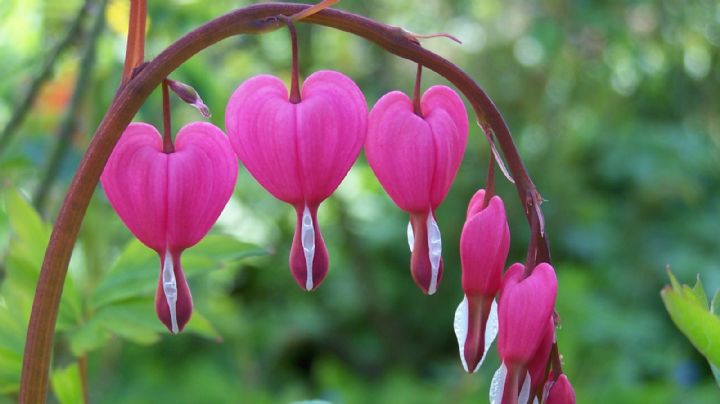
[(170, 290), (491, 332), (435, 250), (460, 325), (525, 390), (410, 236), (498, 384), (307, 238)]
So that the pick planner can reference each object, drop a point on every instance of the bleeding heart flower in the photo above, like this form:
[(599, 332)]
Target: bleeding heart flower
[(559, 391), (299, 152), (537, 367), (170, 201), (415, 158), (525, 308), (484, 246)]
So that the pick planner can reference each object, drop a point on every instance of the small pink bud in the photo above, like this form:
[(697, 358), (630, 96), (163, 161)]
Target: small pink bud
[(415, 158), (525, 307), (170, 201), (299, 152), (189, 95), (560, 392), (484, 246)]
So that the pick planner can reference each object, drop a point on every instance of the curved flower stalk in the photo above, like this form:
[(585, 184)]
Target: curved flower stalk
[(525, 308), (484, 246), (299, 151), (169, 201), (415, 157)]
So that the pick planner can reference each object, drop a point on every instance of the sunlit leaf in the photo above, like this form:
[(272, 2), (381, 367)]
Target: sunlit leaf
[(67, 385)]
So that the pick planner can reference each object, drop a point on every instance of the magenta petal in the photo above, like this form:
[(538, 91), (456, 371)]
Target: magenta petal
[(478, 313), (445, 112), (331, 127), (538, 364), (400, 151), (308, 250), (261, 124), (176, 311), (523, 311), (135, 182), (425, 275), (484, 246), (298, 152), (201, 177), (561, 392)]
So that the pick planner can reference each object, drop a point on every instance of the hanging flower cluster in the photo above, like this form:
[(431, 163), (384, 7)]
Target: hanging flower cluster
[(299, 144)]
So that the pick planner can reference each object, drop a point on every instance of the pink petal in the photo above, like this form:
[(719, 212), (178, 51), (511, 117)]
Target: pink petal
[(445, 112), (524, 309), (331, 127), (262, 127), (424, 274), (182, 307), (201, 177), (484, 246), (318, 260), (135, 182), (400, 151)]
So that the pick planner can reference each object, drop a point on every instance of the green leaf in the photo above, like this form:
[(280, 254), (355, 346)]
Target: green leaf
[(199, 324), (67, 385), (134, 274), (715, 305), (691, 315), (716, 373)]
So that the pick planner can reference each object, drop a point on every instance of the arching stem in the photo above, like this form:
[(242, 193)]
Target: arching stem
[(168, 146), (252, 19)]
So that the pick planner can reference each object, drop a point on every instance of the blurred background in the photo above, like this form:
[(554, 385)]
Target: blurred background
[(614, 108)]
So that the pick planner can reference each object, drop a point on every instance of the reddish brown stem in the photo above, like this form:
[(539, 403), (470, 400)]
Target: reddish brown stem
[(168, 146), (252, 19), (416, 91), (490, 180), (295, 72), (135, 48)]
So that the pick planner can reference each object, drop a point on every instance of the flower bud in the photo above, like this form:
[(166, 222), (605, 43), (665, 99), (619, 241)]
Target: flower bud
[(484, 246), (524, 310), (560, 391)]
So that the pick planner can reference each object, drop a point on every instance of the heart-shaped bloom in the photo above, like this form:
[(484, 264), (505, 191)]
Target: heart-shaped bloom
[(525, 308), (299, 152), (415, 158), (537, 367), (169, 201), (484, 246)]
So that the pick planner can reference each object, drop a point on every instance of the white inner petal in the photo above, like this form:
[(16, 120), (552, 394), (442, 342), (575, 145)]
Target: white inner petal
[(435, 247), (525, 390), (170, 289), (410, 236), (461, 327), (498, 384), (491, 331), (307, 237)]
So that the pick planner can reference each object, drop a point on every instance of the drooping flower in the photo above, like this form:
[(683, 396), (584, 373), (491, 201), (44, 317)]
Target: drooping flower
[(169, 201), (484, 246), (538, 365), (525, 307), (415, 158), (299, 152), (560, 391)]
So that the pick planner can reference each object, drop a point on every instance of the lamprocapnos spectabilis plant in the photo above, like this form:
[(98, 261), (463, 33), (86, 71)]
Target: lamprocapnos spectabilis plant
[(299, 145)]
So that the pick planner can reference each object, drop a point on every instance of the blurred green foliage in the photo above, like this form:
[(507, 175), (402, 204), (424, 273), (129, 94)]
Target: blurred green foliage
[(614, 107)]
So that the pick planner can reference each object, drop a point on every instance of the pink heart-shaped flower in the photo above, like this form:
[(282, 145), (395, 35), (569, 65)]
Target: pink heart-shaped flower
[(169, 201), (415, 158), (299, 152)]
